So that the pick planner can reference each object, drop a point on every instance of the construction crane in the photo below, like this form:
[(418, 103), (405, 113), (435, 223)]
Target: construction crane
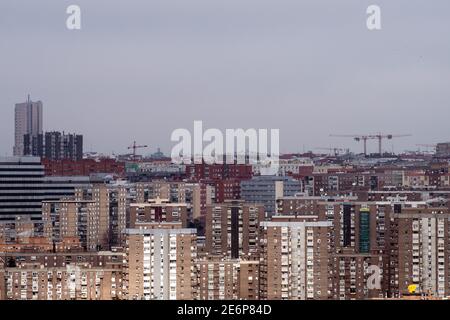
[(356, 137), (134, 146), (380, 137), (364, 139), (335, 151)]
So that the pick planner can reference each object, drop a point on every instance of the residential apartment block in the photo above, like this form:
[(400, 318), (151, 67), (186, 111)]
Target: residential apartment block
[(421, 255), (160, 263), (221, 278), (61, 276), (232, 229), (295, 258)]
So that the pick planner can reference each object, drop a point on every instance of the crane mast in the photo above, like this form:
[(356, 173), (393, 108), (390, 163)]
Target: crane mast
[(134, 146)]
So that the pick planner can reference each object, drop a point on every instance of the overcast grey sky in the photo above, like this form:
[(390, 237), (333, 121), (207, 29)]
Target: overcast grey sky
[(139, 69)]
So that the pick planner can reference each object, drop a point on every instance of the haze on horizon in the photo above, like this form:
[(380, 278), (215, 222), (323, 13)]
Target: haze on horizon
[(140, 69)]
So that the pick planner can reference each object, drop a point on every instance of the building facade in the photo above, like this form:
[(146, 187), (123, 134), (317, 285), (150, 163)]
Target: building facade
[(295, 259), (160, 263), (28, 120), (421, 238), (61, 276), (23, 187), (221, 278), (232, 229), (267, 189), (54, 146)]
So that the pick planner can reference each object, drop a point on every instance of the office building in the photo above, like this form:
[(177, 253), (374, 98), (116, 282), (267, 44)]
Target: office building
[(28, 120), (266, 190), (23, 187)]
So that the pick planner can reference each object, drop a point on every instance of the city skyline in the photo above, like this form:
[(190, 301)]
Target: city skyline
[(140, 72), (370, 144), (224, 154)]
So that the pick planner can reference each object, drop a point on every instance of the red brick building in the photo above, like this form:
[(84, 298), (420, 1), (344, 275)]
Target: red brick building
[(203, 171), (83, 167)]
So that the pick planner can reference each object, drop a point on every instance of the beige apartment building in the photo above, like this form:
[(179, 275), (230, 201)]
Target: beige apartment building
[(232, 229), (360, 241), (160, 262), (157, 210), (295, 258), (61, 276), (415, 179), (422, 258), (174, 192), (96, 215), (358, 276), (221, 278), (249, 280), (406, 242)]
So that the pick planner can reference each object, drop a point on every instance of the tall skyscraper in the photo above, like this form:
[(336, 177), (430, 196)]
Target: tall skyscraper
[(28, 120)]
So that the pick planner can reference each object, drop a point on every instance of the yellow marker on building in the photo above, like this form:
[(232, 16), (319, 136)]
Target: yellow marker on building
[(412, 288)]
